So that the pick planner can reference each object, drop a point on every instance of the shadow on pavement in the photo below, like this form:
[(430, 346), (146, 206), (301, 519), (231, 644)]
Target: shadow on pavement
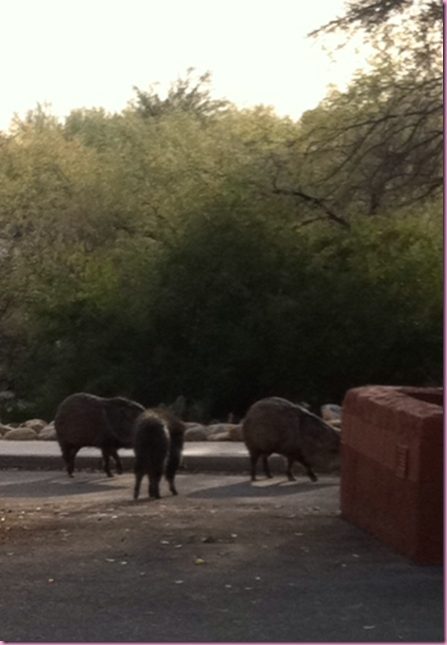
[(56, 488), (266, 488)]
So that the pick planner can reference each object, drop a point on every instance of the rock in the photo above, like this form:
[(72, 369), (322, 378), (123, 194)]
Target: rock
[(213, 432), (196, 433), (219, 436), (235, 432), (21, 434), (219, 428), (331, 412), (335, 423), (216, 428), (48, 433), (4, 429), (35, 424), (232, 430)]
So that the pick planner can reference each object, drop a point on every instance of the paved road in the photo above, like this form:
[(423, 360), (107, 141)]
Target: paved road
[(224, 561)]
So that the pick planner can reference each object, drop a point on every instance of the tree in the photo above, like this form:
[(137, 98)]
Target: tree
[(185, 95), (373, 15), (379, 144), (161, 255), (409, 29), (383, 139)]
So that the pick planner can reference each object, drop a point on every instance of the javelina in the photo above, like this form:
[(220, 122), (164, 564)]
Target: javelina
[(158, 444), (277, 425), (176, 429), (88, 420)]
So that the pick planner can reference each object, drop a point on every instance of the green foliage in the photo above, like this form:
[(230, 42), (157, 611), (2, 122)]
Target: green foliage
[(186, 95), (166, 256)]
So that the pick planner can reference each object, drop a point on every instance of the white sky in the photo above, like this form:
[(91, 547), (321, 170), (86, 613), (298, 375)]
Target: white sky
[(85, 53)]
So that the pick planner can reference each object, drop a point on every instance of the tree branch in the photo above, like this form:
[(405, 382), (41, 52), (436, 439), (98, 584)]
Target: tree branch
[(314, 201)]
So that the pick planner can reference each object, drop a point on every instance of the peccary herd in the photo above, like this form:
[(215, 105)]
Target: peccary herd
[(271, 425), (109, 424)]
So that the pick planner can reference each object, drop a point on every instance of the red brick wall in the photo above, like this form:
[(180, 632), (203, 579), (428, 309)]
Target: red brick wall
[(392, 467)]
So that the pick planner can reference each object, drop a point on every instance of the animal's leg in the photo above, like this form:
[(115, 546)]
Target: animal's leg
[(170, 479), (171, 483), (138, 478), (265, 463), (106, 452), (310, 473), (289, 473), (68, 455), (254, 456), (171, 469), (73, 453), (65, 455), (154, 484), (116, 457)]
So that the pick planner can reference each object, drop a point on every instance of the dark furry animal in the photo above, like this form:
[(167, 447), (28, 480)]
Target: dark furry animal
[(88, 420), (176, 429), (158, 445), (275, 425)]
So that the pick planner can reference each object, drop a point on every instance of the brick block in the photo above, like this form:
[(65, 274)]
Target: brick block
[(392, 467)]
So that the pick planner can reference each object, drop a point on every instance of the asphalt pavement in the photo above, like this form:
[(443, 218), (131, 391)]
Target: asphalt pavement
[(227, 560)]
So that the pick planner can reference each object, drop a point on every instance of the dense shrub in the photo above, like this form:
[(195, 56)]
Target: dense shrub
[(157, 255)]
